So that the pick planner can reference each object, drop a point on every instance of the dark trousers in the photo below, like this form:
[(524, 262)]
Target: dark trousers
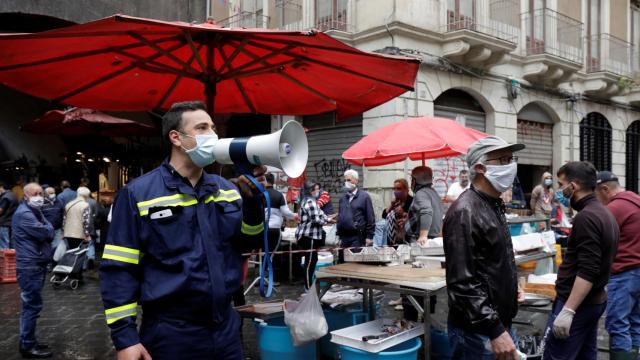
[(73, 243), (466, 345), (310, 258), (31, 281), (180, 339), (582, 342)]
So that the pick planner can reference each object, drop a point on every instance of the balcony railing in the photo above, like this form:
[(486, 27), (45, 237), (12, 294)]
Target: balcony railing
[(606, 52), (245, 19), (497, 18), (549, 32)]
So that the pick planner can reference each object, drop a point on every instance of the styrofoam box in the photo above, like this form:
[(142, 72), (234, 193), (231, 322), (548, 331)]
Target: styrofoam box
[(527, 242), (352, 336)]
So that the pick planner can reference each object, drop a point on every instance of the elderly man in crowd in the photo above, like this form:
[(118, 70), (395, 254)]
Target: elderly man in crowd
[(356, 221), (481, 270), (32, 234)]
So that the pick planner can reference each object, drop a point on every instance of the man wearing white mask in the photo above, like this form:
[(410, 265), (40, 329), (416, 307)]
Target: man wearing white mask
[(32, 235), (356, 220), (174, 248), (481, 271)]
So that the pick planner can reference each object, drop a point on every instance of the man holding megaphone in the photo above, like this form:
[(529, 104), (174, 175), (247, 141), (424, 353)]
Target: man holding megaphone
[(174, 248)]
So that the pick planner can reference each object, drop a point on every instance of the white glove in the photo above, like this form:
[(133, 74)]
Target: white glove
[(562, 324)]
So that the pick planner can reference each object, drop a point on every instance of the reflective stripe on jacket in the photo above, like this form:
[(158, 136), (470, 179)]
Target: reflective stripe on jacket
[(175, 249)]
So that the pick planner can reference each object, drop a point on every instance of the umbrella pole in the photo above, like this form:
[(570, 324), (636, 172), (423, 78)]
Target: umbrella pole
[(210, 84), (422, 159)]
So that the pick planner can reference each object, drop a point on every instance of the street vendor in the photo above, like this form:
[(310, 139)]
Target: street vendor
[(481, 270), (174, 248)]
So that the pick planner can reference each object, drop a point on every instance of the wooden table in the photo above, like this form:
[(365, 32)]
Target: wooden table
[(402, 279)]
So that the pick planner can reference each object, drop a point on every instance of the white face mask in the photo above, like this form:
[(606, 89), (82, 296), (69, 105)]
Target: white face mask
[(349, 186), (202, 153), (501, 176), (52, 196), (36, 201)]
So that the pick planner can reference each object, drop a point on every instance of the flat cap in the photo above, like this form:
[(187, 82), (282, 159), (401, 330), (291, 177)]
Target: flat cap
[(486, 145)]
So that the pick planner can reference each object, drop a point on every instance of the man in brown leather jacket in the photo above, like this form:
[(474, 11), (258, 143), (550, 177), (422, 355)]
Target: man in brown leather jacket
[(481, 270)]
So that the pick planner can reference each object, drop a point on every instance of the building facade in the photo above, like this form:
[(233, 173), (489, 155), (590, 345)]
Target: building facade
[(557, 75)]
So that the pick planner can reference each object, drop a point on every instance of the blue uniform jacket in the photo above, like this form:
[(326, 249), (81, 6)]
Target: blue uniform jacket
[(32, 236), (175, 249)]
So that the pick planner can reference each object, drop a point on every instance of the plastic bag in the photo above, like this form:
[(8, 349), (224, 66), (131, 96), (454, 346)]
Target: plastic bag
[(305, 318), (61, 249)]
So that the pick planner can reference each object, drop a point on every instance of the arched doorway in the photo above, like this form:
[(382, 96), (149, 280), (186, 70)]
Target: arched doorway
[(632, 163), (535, 130), (459, 105), (595, 141)]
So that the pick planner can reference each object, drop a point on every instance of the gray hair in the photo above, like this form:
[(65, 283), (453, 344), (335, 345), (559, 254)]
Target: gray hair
[(84, 192), (472, 168), (30, 188), (351, 172)]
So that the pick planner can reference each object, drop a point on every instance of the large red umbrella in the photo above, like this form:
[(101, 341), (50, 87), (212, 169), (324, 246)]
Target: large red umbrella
[(132, 64), (86, 122), (415, 139)]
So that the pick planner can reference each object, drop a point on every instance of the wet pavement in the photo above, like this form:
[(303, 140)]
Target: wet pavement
[(72, 321)]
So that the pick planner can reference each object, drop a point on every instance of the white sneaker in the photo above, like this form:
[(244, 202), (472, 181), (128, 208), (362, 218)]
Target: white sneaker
[(398, 308)]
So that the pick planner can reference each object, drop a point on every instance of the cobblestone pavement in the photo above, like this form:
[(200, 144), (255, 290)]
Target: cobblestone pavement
[(72, 322)]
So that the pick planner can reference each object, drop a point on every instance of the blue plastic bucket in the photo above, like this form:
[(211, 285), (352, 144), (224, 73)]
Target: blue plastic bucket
[(339, 320), (440, 348), (407, 350), (515, 229), (275, 342)]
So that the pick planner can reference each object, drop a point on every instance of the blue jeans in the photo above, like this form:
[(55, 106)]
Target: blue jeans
[(623, 310), (582, 342), (5, 238), (471, 346), (31, 281)]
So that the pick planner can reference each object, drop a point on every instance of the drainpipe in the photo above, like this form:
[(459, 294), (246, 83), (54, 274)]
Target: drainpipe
[(208, 11), (386, 23)]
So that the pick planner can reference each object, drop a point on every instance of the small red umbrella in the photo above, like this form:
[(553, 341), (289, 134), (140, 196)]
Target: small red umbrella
[(80, 122), (124, 63), (417, 139)]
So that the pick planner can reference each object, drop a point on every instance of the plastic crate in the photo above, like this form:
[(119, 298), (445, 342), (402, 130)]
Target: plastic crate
[(8, 266)]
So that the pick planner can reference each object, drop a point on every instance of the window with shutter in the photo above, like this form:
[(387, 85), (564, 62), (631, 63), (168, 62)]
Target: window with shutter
[(632, 165), (595, 141)]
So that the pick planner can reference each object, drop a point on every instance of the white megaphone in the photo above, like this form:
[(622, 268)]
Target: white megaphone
[(286, 149)]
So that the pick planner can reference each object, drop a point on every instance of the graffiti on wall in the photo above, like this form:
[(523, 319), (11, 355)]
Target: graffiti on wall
[(329, 173), (445, 172)]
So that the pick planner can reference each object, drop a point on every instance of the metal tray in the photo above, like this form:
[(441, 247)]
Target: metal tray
[(352, 336), (372, 255), (417, 250)]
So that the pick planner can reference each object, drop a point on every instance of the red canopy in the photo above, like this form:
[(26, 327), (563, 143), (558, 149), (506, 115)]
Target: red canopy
[(416, 139), (86, 122), (123, 63)]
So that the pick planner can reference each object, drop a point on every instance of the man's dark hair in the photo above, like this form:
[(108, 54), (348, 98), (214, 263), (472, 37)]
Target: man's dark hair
[(172, 120), (580, 172), (64, 184), (270, 178), (3, 185)]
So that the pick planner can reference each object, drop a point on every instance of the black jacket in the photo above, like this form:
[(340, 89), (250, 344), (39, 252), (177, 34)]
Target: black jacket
[(591, 249), (481, 270)]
